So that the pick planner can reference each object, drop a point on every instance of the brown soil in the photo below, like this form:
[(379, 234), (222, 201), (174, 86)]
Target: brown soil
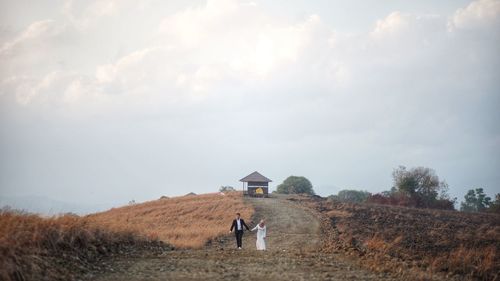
[(295, 240)]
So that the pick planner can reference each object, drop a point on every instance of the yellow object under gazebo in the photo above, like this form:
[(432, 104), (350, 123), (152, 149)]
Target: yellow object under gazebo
[(256, 185)]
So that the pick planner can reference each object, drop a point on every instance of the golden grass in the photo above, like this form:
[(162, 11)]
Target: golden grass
[(36, 248), (472, 262), (30, 244), (185, 222)]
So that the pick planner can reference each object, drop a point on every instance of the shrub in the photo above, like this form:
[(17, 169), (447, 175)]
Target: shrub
[(295, 185), (353, 196)]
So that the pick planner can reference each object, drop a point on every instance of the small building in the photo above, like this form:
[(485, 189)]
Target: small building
[(256, 184)]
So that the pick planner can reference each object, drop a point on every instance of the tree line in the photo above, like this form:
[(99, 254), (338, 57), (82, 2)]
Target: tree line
[(418, 187)]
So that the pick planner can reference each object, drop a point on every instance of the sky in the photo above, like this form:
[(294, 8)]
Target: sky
[(111, 101)]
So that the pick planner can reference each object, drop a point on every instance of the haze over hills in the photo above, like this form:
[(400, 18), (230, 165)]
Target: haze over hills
[(48, 206)]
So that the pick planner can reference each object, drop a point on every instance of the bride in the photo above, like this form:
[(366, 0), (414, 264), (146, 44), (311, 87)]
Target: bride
[(261, 235)]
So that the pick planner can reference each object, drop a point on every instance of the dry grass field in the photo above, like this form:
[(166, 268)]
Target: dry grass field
[(185, 222), (56, 248), (60, 247)]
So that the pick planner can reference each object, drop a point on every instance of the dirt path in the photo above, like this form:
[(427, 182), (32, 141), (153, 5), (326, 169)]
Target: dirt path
[(289, 227), (293, 254)]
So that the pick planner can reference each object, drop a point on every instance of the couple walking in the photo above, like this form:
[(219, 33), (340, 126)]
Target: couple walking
[(238, 225)]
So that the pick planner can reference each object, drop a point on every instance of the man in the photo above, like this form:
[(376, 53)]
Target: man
[(238, 225)]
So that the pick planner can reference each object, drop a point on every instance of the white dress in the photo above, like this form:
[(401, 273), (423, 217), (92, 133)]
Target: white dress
[(261, 234)]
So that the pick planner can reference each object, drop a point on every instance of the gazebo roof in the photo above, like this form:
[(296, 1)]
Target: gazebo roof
[(255, 177)]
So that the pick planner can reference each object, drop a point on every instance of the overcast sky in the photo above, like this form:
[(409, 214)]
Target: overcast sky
[(108, 101)]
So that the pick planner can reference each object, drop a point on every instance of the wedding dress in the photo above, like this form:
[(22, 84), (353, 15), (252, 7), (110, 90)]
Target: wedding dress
[(261, 234)]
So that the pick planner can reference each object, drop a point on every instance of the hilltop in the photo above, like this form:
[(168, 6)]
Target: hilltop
[(187, 221), (294, 242), (309, 237)]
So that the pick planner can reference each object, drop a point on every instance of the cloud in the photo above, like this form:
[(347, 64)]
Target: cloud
[(478, 14), (32, 36), (158, 81), (407, 31), (126, 68), (55, 86), (237, 36), (195, 51), (394, 23), (89, 15), (200, 51)]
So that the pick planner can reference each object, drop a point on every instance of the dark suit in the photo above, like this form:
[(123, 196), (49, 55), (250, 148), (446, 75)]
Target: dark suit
[(239, 232)]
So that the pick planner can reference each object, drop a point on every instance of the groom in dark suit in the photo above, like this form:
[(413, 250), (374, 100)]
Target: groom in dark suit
[(238, 225)]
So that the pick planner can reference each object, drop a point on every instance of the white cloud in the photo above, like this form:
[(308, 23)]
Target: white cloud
[(404, 29), (394, 23), (236, 36), (193, 54), (81, 89), (202, 49), (31, 37), (44, 90), (478, 14), (88, 15), (127, 68), (171, 79), (194, 25)]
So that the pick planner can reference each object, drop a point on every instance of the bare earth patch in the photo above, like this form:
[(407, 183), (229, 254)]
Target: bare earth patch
[(422, 243)]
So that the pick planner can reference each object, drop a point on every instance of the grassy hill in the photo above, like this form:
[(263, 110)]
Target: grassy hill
[(185, 222), (414, 242), (61, 247)]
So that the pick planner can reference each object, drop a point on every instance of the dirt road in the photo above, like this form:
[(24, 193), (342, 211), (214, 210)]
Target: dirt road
[(293, 254)]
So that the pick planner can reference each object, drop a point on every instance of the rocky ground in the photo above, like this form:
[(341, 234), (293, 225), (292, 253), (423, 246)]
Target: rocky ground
[(294, 253)]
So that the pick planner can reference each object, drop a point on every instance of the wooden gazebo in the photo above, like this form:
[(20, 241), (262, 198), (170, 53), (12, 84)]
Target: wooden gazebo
[(256, 184)]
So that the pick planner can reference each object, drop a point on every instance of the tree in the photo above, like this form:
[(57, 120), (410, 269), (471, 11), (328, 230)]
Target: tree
[(295, 185), (389, 193), (475, 201), (416, 187), (354, 196), (495, 205), (421, 184), (226, 188)]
